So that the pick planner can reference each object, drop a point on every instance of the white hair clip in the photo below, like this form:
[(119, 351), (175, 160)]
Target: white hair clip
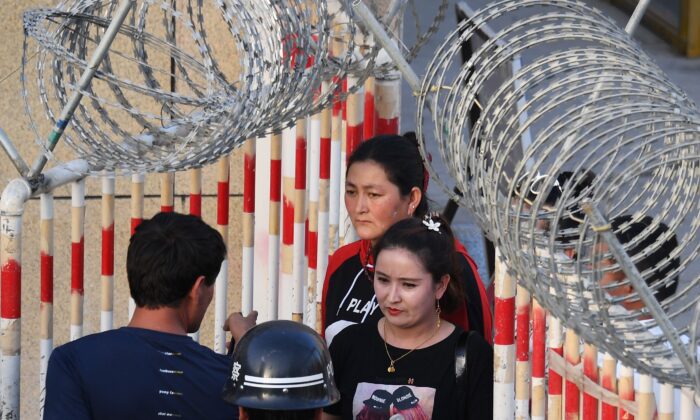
[(432, 224)]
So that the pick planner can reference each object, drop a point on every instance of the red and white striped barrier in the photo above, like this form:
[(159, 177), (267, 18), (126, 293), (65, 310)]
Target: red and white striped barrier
[(504, 343), (77, 289), (46, 288), (107, 280)]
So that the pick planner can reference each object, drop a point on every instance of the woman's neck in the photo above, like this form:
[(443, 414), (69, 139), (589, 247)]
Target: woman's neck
[(421, 334)]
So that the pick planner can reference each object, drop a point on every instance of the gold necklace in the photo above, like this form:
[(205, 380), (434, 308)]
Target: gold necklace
[(392, 362)]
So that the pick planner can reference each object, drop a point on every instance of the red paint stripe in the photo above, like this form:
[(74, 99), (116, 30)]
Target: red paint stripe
[(108, 251), (505, 321), (46, 278), (343, 104), (249, 183), (555, 382), (11, 290), (325, 156), (275, 180), (300, 169), (167, 209), (590, 403), (573, 401), (312, 245), (384, 126), (522, 348), (538, 343), (77, 259), (135, 222), (287, 221), (196, 205), (222, 203), (629, 395), (368, 131), (353, 138), (607, 411)]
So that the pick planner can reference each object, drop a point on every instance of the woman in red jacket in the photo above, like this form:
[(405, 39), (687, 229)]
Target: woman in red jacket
[(386, 182)]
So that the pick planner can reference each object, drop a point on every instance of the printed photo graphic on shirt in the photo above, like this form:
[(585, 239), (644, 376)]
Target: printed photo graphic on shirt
[(392, 402)]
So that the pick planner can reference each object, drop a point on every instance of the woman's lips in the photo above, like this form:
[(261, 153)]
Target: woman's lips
[(393, 311)]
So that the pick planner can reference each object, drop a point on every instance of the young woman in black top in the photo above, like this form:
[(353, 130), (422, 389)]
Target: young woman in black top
[(405, 363)]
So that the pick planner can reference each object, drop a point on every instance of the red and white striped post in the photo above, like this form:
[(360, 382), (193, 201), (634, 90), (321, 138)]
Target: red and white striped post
[(344, 219), (609, 381), (354, 117), (274, 225), (369, 109), (323, 204), (504, 343), (522, 354), (647, 403), (666, 403), (221, 285), (248, 251), (590, 370), (196, 192), (46, 292), (539, 332), (107, 286), (314, 161), (625, 389), (556, 345), (387, 98), (10, 306), (572, 353), (687, 404), (286, 283), (137, 191), (77, 258), (167, 192), (337, 179), (299, 243)]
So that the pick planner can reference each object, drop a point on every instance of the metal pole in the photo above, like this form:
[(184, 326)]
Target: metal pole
[(85, 79), (636, 17)]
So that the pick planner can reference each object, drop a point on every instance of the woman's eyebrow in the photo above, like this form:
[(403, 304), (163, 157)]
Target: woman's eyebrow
[(379, 273)]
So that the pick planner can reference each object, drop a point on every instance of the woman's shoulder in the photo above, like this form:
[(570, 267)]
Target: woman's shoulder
[(356, 333)]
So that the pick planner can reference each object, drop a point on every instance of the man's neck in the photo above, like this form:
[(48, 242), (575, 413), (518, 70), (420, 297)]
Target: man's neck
[(164, 319)]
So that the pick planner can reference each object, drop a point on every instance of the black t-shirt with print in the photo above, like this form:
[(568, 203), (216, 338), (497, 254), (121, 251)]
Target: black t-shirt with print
[(424, 380)]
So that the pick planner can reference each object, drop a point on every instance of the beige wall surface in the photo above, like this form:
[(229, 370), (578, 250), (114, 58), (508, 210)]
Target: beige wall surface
[(16, 124)]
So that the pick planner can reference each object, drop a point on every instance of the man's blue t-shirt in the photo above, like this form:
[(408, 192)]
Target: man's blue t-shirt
[(134, 373)]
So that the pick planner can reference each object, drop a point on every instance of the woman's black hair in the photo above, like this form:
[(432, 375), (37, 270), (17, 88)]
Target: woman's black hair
[(401, 160), (643, 234), (432, 241)]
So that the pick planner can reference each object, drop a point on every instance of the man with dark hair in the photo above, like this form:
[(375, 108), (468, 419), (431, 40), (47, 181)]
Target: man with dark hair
[(151, 368), (656, 243)]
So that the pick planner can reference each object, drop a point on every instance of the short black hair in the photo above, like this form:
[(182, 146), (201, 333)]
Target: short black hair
[(167, 253), (401, 160), (643, 233), (256, 414)]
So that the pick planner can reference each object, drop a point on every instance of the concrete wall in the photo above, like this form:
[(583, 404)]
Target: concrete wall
[(15, 122)]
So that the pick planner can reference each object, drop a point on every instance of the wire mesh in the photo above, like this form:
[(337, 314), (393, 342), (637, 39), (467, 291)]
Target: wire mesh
[(571, 109)]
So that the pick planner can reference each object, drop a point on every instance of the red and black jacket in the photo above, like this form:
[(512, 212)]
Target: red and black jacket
[(348, 295)]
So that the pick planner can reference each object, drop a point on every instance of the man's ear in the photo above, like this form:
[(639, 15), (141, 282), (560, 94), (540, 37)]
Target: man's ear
[(196, 289)]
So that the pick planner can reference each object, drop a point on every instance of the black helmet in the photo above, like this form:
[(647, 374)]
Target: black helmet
[(281, 365)]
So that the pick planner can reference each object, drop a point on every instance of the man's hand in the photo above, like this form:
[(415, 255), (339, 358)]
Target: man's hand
[(238, 324)]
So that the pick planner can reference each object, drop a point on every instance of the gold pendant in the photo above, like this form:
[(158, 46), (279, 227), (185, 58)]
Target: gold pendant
[(391, 369)]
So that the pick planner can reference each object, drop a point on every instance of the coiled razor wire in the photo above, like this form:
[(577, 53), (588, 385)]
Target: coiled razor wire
[(571, 109), (169, 97)]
